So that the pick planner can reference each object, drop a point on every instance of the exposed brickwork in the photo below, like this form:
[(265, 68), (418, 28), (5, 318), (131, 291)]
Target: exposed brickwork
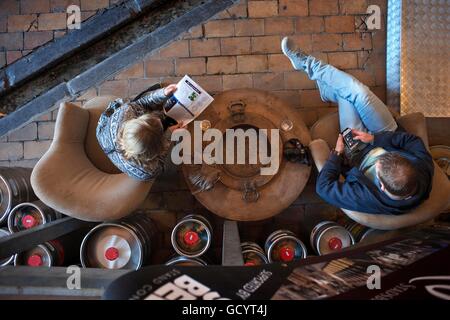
[(293, 8), (205, 47), (240, 48), (35, 149), (34, 6), (261, 9), (221, 65), (36, 39), (249, 27), (28, 24), (323, 7), (27, 133), (52, 21)]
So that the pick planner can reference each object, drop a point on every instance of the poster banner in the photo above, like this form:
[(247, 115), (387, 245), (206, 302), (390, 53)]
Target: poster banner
[(413, 267)]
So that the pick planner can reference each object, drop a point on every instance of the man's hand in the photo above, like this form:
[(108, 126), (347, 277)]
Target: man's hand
[(170, 89), (362, 136), (340, 145), (177, 126)]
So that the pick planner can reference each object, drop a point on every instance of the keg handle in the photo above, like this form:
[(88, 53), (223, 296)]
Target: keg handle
[(237, 110), (250, 193)]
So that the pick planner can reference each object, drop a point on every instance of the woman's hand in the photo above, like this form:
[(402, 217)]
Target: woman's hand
[(177, 126), (362, 136), (170, 89)]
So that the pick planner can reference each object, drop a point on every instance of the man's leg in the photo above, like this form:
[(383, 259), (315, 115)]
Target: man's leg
[(348, 115), (342, 88)]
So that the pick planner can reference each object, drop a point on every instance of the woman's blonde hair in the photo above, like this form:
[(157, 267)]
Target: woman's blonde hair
[(142, 139)]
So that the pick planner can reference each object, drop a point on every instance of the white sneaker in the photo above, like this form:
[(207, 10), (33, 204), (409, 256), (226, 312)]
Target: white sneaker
[(295, 54)]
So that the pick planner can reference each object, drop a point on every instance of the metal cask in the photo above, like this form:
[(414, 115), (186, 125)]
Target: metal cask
[(284, 246), (191, 236), (48, 254), (27, 215), (15, 188), (253, 254), (186, 262), (327, 237), (122, 244)]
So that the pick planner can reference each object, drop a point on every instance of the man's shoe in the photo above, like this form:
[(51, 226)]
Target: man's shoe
[(295, 55)]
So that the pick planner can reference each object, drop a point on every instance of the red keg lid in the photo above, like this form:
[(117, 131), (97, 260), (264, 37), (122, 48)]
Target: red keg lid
[(34, 260), (111, 253), (249, 264), (191, 238), (335, 243), (28, 221), (286, 254)]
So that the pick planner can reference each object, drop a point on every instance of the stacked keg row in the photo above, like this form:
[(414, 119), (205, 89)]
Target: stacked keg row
[(129, 242), (126, 244), (20, 210), (285, 246)]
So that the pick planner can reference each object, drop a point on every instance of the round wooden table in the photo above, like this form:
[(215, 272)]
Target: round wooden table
[(242, 193)]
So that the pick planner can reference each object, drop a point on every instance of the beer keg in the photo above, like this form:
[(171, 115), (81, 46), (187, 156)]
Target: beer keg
[(122, 244), (284, 246), (15, 188), (186, 262), (253, 254), (327, 237), (48, 254), (191, 236), (30, 214), (4, 262), (63, 251), (361, 233)]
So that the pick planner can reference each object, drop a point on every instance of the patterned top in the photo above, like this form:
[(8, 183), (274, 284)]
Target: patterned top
[(110, 123)]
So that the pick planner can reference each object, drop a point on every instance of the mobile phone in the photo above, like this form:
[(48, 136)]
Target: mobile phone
[(350, 143)]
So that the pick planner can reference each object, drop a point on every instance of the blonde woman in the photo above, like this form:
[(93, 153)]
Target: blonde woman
[(135, 135)]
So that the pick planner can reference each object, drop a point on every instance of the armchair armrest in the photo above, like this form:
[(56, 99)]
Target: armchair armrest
[(71, 124), (320, 152), (415, 123)]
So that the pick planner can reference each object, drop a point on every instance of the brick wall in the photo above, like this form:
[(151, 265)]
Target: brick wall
[(28, 24), (239, 48)]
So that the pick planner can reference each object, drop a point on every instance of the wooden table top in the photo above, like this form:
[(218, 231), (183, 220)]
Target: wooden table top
[(241, 192)]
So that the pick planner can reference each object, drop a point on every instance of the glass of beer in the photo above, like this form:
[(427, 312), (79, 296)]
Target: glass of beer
[(286, 125)]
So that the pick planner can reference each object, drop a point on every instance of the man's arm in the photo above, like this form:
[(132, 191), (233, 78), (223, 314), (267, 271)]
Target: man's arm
[(341, 194)]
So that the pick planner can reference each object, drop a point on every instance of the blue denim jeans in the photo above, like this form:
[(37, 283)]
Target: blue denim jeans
[(359, 108)]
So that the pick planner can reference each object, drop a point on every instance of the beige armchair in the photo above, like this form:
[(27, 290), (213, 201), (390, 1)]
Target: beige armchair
[(324, 134), (76, 178)]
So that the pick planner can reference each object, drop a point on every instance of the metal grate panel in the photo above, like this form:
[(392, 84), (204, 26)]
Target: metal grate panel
[(425, 57)]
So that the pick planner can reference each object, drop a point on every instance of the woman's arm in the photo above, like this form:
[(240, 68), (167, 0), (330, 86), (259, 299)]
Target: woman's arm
[(154, 100)]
